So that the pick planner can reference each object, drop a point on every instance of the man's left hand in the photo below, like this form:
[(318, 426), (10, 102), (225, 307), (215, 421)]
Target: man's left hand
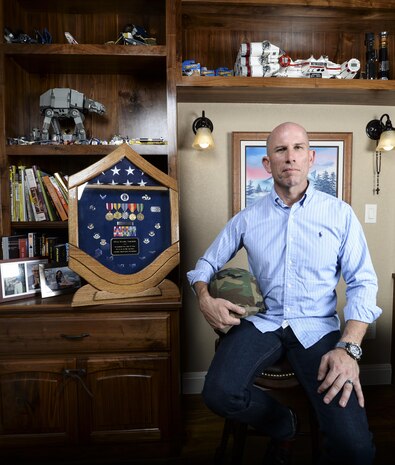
[(339, 372)]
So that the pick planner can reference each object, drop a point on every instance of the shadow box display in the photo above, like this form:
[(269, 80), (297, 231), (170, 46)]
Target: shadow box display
[(123, 230)]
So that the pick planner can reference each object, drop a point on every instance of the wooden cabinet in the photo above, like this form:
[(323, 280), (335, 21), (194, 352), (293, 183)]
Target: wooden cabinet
[(102, 381), (211, 33), (101, 377)]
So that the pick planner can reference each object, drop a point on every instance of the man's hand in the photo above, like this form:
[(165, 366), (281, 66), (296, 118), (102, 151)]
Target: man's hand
[(218, 312), (336, 371)]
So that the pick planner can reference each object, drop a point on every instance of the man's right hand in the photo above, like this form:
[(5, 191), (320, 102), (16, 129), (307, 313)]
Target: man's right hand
[(219, 313)]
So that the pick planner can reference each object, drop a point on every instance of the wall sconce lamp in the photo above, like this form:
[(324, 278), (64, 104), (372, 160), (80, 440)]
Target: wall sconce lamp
[(203, 128), (384, 133)]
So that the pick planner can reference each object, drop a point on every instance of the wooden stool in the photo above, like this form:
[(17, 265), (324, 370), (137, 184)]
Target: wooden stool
[(279, 376)]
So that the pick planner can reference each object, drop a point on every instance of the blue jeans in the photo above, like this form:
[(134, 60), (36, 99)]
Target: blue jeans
[(244, 352)]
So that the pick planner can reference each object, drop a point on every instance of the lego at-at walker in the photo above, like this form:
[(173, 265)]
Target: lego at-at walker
[(62, 103)]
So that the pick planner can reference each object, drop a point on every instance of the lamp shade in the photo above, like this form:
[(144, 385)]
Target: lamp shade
[(203, 139), (387, 141)]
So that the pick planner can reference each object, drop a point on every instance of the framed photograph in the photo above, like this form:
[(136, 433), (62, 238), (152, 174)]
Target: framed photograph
[(20, 278), (57, 280), (330, 173)]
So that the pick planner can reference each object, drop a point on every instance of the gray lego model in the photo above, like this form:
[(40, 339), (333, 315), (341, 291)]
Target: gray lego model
[(61, 103)]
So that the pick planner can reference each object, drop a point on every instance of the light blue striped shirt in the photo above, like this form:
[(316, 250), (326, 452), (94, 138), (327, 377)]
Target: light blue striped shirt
[(298, 254)]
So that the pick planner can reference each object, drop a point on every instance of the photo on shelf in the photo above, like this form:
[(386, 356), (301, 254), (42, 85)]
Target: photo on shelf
[(57, 280), (20, 279)]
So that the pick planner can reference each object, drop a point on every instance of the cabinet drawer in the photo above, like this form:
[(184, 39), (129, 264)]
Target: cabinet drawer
[(137, 332)]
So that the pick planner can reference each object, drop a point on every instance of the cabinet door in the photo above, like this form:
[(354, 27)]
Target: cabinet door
[(128, 399), (37, 402)]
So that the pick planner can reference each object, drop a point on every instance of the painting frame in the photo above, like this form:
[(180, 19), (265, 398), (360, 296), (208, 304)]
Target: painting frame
[(18, 278), (49, 284), (338, 141)]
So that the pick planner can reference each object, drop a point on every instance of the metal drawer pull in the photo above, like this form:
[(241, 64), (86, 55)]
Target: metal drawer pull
[(75, 337), (77, 373)]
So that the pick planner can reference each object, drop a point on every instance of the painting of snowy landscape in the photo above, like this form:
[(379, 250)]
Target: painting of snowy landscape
[(326, 174)]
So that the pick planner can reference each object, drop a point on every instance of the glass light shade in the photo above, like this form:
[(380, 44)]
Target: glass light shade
[(203, 139), (387, 141)]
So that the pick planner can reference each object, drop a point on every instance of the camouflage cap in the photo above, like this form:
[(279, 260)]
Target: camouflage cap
[(239, 287)]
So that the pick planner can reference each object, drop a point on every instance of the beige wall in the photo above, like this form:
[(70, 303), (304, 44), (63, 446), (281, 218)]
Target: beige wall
[(206, 189)]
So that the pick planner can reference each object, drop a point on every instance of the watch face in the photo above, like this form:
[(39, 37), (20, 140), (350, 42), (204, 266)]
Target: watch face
[(355, 350), (124, 218)]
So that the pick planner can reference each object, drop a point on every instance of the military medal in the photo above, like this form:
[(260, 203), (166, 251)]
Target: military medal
[(132, 207), (125, 215), (109, 216), (140, 215), (117, 214)]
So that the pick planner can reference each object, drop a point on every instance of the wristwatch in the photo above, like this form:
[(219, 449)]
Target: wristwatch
[(353, 349)]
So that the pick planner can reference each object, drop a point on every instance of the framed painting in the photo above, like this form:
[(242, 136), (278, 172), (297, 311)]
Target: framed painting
[(331, 172), (20, 278)]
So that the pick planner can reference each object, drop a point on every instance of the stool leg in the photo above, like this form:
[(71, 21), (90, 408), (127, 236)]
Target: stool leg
[(220, 452), (239, 440)]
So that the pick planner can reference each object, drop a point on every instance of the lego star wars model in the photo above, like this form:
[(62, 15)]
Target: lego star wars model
[(61, 103)]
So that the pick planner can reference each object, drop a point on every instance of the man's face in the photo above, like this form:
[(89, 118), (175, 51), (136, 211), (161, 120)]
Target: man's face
[(289, 158)]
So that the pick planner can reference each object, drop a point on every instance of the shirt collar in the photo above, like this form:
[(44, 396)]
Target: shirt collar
[(302, 202)]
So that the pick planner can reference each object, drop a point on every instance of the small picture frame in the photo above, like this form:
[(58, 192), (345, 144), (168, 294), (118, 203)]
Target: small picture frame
[(58, 279), (20, 278)]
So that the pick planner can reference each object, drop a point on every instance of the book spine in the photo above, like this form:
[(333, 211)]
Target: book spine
[(60, 194), (22, 190), (52, 212), (23, 247), (38, 210), (33, 240), (63, 184), (55, 199), (12, 192), (5, 249), (40, 193)]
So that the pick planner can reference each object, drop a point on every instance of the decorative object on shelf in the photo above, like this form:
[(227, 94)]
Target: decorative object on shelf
[(123, 230), (20, 37), (61, 103), (203, 128), (264, 59), (19, 279), (70, 39), (56, 279), (331, 172), (134, 35), (371, 56), (384, 67), (384, 133)]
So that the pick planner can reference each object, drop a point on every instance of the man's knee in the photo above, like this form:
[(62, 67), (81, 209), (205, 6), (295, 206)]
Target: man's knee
[(222, 401)]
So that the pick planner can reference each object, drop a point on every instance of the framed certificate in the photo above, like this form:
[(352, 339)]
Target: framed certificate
[(123, 226)]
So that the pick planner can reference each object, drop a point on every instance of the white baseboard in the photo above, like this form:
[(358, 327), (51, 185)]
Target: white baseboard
[(192, 382)]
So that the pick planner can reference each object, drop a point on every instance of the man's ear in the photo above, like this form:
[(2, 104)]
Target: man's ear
[(266, 163), (312, 157)]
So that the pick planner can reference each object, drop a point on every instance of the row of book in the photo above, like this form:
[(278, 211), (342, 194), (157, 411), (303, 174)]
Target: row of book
[(37, 195), (34, 244)]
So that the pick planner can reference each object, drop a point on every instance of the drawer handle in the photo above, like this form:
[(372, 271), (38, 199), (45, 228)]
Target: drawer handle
[(75, 337)]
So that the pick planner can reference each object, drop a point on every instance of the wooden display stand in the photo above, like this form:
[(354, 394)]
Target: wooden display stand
[(106, 284)]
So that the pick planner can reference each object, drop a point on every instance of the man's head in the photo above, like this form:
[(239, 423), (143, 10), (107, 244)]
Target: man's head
[(289, 159)]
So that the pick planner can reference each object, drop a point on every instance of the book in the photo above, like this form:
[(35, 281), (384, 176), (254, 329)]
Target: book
[(40, 193), (12, 192), (63, 184), (50, 243), (10, 246), (33, 244), (51, 209), (37, 204), (55, 198), (23, 247), (23, 216), (62, 197)]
